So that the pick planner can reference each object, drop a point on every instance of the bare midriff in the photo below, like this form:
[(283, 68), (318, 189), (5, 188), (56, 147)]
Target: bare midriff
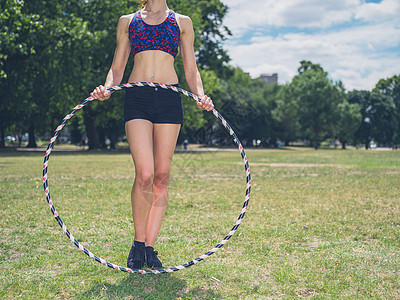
[(154, 66)]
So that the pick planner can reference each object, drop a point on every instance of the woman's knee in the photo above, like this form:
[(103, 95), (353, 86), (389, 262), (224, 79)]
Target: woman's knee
[(144, 178), (161, 179)]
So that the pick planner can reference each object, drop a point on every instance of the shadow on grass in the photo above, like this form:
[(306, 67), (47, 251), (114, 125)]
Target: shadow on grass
[(137, 286)]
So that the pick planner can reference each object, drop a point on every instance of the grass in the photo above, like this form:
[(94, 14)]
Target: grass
[(321, 225)]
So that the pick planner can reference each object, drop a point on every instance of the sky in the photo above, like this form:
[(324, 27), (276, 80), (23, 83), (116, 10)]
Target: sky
[(355, 41)]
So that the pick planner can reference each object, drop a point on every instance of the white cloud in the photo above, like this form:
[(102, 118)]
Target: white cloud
[(359, 55), (387, 10), (295, 13)]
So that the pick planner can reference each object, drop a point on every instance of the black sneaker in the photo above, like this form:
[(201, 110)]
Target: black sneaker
[(136, 256), (152, 260)]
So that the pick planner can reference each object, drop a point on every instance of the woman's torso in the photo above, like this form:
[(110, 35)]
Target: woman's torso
[(154, 44)]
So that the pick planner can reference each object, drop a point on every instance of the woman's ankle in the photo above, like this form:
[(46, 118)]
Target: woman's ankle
[(139, 244)]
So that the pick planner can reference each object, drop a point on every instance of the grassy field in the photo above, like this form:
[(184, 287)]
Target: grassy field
[(321, 225)]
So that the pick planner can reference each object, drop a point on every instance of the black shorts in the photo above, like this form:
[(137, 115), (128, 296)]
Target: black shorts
[(157, 105)]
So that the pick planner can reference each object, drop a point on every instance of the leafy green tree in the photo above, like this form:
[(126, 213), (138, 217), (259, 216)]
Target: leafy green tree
[(306, 65), (382, 113), (363, 133), (378, 115), (246, 104), (286, 115), (101, 119), (348, 122), (317, 100), (262, 124), (211, 53), (237, 102), (348, 118), (41, 79), (17, 30), (391, 87)]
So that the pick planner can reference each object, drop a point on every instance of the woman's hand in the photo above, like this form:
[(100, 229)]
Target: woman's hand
[(205, 103), (100, 93)]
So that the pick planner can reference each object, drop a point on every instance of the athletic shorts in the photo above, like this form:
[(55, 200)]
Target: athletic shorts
[(157, 105)]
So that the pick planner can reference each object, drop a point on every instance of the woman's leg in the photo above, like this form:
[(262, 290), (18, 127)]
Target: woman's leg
[(165, 137), (139, 133)]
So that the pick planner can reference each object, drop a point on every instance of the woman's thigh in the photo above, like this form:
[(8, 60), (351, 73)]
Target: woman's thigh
[(139, 133), (165, 137)]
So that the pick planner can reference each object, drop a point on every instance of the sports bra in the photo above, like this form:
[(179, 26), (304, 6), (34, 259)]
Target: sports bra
[(164, 37)]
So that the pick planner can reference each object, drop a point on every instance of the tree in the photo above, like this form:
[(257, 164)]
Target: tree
[(39, 81), (382, 114), (378, 117), (391, 87), (15, 27), (286, 115), (211, 53), (306, 65), (349, 120), (16, 32), (246, 104), (317, 100)]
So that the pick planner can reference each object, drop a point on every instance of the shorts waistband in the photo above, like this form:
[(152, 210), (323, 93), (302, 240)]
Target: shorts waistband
[(149, 88)]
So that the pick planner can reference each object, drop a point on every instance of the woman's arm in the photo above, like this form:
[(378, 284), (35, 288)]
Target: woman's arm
[(121, 55), (192, 74)]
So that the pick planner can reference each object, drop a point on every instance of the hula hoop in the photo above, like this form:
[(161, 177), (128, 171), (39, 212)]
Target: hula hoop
[(125, 269)]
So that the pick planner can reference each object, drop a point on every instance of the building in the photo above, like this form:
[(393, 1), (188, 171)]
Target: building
[(270, 79)]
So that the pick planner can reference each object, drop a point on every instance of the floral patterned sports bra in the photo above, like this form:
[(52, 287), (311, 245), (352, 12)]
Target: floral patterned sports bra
[(164, 37)]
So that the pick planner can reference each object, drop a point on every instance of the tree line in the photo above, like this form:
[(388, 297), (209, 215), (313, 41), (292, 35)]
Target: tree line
[(53, 53)]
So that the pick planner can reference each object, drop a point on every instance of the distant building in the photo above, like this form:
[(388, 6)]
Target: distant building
[(270, 79)]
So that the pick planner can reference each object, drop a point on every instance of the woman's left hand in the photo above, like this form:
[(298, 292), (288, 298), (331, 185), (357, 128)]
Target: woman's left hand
[(205, 103)]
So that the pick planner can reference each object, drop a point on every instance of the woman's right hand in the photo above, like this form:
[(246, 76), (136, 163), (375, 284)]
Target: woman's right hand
[(100, 93)]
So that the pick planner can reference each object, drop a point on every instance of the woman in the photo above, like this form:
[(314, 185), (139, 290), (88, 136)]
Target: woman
[(153, 117)]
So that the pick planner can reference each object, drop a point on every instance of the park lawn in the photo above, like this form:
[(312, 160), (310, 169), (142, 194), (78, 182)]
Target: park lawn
[(320, 224)]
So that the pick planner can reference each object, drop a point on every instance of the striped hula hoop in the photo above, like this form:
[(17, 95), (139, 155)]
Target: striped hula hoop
[(114, 266)]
